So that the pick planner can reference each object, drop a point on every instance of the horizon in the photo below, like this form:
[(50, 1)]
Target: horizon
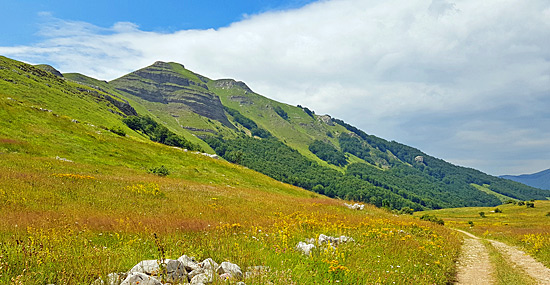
[(422, 74)]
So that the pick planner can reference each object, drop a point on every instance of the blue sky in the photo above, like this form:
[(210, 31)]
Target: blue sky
[(21, 19), (467, 81)]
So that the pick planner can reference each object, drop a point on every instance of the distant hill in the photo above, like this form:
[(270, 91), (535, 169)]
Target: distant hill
[(539, 180), (171, 105)]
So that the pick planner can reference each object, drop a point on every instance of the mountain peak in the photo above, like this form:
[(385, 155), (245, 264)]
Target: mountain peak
[(170, 83), (50, 69), (166, 65)]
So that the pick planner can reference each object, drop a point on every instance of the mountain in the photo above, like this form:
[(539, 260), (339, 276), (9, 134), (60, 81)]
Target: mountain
[(171, 105), (539, 180)]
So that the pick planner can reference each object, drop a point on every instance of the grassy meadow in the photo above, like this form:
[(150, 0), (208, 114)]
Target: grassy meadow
[(526, 227), (70, 223), (77, 202)]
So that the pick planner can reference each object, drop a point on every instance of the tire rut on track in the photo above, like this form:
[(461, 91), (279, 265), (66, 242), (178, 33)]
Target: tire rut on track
[(474, 266), (532, 267)]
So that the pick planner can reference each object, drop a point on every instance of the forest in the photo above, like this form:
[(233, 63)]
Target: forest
[(277, 160)]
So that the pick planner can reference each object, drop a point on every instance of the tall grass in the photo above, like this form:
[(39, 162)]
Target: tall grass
[(71, 223)]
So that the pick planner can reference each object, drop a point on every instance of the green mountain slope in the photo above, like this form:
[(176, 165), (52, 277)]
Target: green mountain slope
[(289, 143)]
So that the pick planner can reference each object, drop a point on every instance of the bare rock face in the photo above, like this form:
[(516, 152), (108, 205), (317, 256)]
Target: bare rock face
[(326, 119), (170, 83), (230, 83), (419, 159)]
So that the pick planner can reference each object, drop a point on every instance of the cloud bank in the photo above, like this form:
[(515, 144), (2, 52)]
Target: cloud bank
[(466, 81)]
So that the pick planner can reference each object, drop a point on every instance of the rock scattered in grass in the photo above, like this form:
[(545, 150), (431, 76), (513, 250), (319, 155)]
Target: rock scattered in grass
[(305, 248), (184, 270), (355, 206), (323, 240), (63, 159)]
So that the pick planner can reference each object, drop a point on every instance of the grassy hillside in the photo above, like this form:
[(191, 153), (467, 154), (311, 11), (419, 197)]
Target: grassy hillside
[(79, 201), (227, 113)]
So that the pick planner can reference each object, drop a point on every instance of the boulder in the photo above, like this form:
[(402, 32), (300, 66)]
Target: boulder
[(175, 270), (231, 268), (305, 248), (135, 278), (355, 206), (324, 239), (202, 278), (189, 263), (226, 276), (344, 239), (209, 264), (195, 272)]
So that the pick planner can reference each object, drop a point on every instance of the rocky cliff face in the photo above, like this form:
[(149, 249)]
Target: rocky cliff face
[(230, 83), (170, 83)]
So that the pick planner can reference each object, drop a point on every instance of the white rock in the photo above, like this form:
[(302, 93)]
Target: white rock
[(231, 268), (355, 206), (195, 272), (135, 278), (226, 276), (189, 263), (305, 248), (209, 264), (344, 239), (175, 270), (323, 239), (202, 278)]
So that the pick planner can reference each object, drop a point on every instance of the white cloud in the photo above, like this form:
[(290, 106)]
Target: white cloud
[(447, 77)]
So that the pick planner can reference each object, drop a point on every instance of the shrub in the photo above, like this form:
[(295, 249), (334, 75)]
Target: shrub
[(160, 171), (548, 214), (281, 112), (521, 203), (118, 130), (158, 133), (432, 219), (406, 211), (482, 214), (471, 223), (497, 210), (530, 204)]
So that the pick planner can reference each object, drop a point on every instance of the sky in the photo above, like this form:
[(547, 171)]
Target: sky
[(467, 81)]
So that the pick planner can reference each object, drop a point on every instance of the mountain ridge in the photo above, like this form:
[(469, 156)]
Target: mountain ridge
[(539, 179), (289, 143)]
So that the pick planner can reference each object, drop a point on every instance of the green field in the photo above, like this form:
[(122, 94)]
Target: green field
[(528, 228)]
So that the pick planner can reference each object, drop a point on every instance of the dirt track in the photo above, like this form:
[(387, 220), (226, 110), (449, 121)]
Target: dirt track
[(474, 266)]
